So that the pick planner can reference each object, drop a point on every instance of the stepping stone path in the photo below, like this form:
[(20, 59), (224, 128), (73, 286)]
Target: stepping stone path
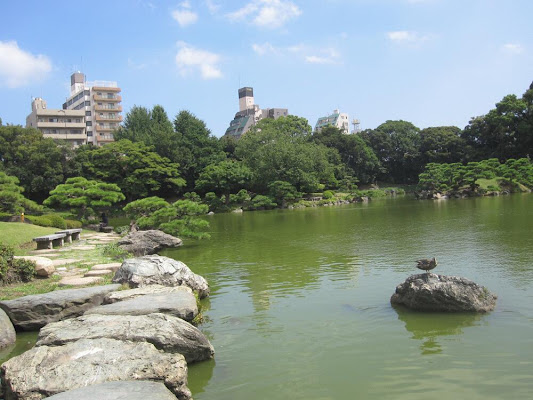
[(111, 266), (64, 261), (82, 247), (79, 280), (98, 272)]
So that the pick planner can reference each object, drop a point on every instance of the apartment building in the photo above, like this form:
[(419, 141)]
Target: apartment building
[(100, 103), (337, 119), (250, 113), (67, 125)]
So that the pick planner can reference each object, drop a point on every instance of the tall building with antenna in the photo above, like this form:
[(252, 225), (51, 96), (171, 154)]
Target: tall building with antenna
[(101, 102), (250, 114)]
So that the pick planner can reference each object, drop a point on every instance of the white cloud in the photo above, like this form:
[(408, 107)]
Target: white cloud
[(407, 37), (269, 14), (212, 6), (189, 59), (309, 54), (513, 48), (184, 15), (20, 68)]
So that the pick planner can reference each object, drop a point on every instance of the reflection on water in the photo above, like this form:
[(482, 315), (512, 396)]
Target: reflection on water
[(428, 327)]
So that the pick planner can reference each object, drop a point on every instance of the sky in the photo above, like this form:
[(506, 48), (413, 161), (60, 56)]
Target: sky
[(430, 62)]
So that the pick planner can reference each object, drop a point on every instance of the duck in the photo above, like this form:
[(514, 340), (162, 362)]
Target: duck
[(426, 264)]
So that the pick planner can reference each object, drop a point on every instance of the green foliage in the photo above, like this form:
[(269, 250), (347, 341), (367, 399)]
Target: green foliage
[(144, 207), (11, 199), (114, 251), (260, 202), (52, 220), (328, 194), (84, 195), (73, 224), (180, 219), (14, 270), (192, 196), (122, 230), (214, 202), (283, 192), (224, 178), (134, 167)]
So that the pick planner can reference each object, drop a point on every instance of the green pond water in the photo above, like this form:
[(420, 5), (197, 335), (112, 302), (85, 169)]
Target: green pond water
[(299, 305)]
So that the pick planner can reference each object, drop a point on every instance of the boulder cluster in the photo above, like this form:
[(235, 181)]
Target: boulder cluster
[(105, 343)]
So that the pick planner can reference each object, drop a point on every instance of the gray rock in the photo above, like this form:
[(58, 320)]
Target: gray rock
[(47, 370), (178, 304), (431, 292), (140, 243), (7, 331), (44, 267), (33, 312), (159, 270), (165, 332), (121, 390), (122, 295)]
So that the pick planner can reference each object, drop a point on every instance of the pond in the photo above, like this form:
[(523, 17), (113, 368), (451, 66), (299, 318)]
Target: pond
[(299, 307)]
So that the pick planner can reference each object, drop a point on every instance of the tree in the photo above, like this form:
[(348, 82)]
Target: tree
[(197, 148), (134, 167), (224, 178), (179, 219), (441, 144), (11, 199), (276, 150), (39, 163), (144, 207), (282, 192), (84, 195)]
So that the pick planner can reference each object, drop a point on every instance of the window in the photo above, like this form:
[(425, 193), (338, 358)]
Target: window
[(78, 120), (87, 103), (99, 93), (52, 119), (87, 113), (89, 123), (89, 133), (110, 96)]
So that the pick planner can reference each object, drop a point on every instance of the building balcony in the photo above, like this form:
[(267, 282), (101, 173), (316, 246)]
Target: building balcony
[(106, 89), (66, 136), (105, 128), (115, 98), (116, 118), (61, 125), (105, 138), (107, 108)]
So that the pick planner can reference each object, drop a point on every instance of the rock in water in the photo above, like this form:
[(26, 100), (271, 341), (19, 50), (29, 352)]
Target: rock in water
[(33, 312), (122, 390), (7, 331), (159, 270), (47, 370), (167, 333), (141, 243), (431, 292)]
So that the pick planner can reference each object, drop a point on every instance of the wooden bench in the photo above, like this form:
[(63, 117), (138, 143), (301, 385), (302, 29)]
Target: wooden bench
[(72, 234), (49, 241)]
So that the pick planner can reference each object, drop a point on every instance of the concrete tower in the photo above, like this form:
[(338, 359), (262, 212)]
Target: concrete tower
[(246, 98)]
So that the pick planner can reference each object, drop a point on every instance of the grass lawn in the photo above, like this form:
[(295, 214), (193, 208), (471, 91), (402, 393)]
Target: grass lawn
[(485, 183), (19, 235)]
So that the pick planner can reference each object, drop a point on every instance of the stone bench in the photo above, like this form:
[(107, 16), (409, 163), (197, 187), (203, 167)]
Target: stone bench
[(49, 241), (72, 234)]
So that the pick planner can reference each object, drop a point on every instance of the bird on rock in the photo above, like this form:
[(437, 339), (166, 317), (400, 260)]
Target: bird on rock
[(426, 264)]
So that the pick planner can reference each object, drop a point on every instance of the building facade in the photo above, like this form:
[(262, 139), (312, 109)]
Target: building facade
[(250, 114), (67, 125), (337, 119), (100, 102)]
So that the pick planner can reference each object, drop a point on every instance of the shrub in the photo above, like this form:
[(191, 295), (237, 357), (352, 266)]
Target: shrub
[(52, 220), (24, 270), (114, 251), (73, 224), (260, 202), (122, 230), (14, 270), (328, 194)]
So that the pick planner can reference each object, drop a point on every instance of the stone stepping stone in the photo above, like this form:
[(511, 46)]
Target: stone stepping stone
[(43, 251), (65, 261), (85, 247), (98, 272), (111, 266), (122, 295), (78, 280), (72, 272)]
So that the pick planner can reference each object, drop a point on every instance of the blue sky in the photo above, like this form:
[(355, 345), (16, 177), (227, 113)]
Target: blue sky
[(431, 62)]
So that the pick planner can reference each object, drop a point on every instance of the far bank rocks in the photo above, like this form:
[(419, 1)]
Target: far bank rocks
[(159, 270), (431, 292), (142, 243)]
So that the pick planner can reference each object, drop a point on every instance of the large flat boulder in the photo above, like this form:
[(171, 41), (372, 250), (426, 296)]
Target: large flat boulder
[(121, 390), (33, 312), (159, 270), (179, 304), (7, 331), (431, 292), (129, 294), (44, 267), (165, 332), (141, 243), (47, 370)]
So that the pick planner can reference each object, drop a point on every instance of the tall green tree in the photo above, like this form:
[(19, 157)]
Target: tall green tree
[(85, 196), (134, 167), (441, 144), (12, 200), (197, 147), (224, 178)]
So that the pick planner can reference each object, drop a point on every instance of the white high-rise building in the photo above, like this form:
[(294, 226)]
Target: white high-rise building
[(337, 119), (100, 100)]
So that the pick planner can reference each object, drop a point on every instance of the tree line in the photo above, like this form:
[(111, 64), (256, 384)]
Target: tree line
[(272, 165)]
